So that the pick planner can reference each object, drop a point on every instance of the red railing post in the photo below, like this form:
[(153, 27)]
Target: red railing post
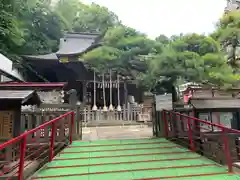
[(190, 134), (53, 133), (165, 123), (22, 156), (227, 150), (71, 128)]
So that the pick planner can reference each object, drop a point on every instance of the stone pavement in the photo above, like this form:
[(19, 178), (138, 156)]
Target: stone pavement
[(117, 132)]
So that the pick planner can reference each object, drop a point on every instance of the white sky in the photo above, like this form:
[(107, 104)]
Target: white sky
[(155, 17)]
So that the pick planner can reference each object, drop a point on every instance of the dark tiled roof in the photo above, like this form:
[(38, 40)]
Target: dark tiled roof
[(24, 96), (76, 43), (8, 70), (29, 84), (70, 44), (215, 103), (52, 56)]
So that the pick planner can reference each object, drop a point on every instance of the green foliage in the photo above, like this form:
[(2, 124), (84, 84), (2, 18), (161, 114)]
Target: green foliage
[(102, 58), (190, 58), (42, 29), (79, 17), (67, 11), (228, 34), (28, 27), (120, 50), (35, 27), (162, 39), (10, 33), (193, 58)]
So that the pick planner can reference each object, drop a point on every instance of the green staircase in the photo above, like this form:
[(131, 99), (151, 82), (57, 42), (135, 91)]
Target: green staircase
[(131, 159)]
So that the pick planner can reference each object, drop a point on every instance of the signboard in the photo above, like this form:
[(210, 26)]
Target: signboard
[(163, 102), (6, 124), (223, 118), (226, 119), (205, 127)]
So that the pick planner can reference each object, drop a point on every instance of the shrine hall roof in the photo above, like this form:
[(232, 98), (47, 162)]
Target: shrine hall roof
[(32, 84), (215, 103), (25, 96), (71, 44)]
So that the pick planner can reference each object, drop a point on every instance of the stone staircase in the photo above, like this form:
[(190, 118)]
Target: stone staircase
[(144, 159)]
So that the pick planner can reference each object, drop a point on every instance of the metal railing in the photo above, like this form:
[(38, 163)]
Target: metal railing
[(214, 141), (25, 154)]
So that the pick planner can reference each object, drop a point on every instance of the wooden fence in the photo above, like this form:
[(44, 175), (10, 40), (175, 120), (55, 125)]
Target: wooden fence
[(34, 117)]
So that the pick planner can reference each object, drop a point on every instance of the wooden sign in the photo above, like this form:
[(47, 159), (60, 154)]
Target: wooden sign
[(6, 124)]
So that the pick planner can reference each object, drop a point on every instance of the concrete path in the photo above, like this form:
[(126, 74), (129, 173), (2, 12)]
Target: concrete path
[(117, 132)]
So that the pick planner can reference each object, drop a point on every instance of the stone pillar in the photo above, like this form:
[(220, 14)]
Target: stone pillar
[(72, 102)]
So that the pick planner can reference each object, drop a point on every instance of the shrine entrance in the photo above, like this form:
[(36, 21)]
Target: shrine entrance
[(109, 100)]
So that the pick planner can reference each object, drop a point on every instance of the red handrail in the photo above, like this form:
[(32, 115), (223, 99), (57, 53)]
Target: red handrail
[(224, 131), (23, 140), (4, 145), (205, 122)]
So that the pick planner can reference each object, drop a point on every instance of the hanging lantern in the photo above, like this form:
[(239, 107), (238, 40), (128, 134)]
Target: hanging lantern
[(94, 108), (110, 94), (118, 86)]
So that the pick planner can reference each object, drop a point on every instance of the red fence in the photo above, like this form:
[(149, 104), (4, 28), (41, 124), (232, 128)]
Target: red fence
[(25, 154), (213, 141)]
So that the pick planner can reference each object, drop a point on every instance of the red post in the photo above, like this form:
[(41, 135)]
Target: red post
[(53, 133), (22, 156), (165, 123), (227, 150), (71, 128), (190, 135)]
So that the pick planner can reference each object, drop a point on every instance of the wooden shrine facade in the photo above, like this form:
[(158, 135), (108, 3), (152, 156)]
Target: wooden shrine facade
[(67, 65), (63, 74), (211, 104), (11, 102)]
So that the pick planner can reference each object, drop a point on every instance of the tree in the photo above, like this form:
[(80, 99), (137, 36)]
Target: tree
[(95, 18), (28, 27), (193, 58), (162, 39), (42, 28), (79, 17), (11, 35), (228, 34), (189, 58), (121, 50), (67, 10), (35, 27)]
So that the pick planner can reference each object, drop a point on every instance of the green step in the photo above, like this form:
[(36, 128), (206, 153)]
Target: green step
[(135, 174), (117, 167), (215, 177), (121, 159), (125, 176), (92, 163), (122, 141), (130, 146), (119, 153)]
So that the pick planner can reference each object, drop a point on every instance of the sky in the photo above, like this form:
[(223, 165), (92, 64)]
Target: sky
[(169, 17)]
